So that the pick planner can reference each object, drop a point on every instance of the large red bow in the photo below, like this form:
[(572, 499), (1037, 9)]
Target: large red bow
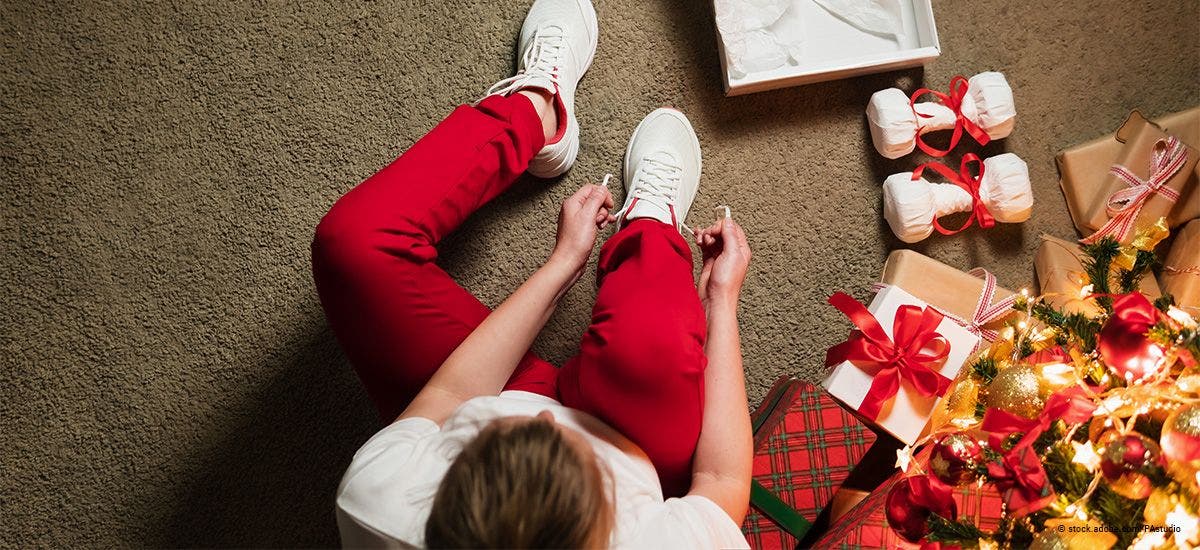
[(1169, 156), (1019, 474), (914, 355), (965, 181), (953, 101)]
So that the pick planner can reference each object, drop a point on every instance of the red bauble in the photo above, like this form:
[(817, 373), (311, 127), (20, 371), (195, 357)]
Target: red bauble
[(1124, 463), (955, 458), (910, 502), (1123, 344)]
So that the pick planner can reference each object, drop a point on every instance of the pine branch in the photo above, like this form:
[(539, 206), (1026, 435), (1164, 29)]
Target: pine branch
[(985, 369), (1122, 515), (1075, 327), (962, 532), (1129, 279), (1164, 302), (1014, 534), (1066, 477), (1098, 266)]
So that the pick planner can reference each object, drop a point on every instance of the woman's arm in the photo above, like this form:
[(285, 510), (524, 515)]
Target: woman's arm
[(722, 466), (483, 363)]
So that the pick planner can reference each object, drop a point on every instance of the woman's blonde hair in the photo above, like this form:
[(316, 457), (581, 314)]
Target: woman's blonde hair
[(521, 485)]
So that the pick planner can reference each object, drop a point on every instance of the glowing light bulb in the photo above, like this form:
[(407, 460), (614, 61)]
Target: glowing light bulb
[(1180, 316), (1058, 373)]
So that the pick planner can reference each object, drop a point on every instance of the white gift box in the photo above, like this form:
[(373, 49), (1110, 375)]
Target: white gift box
[(906, 415), (828, 46)]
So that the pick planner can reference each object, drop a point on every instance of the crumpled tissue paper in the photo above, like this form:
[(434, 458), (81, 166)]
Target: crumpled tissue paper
[(882, 17), (760, 35)]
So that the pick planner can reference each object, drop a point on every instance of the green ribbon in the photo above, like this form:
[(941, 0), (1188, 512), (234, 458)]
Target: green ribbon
[(779, 511), (767, 502)]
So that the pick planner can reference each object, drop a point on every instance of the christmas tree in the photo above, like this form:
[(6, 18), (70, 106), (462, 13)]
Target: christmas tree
[(1086, 420)]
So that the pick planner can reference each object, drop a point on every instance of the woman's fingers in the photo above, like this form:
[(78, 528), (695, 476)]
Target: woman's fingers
[(597, 198), (580, 196)]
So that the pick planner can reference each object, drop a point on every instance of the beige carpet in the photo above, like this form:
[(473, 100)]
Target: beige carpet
[(169, 379)]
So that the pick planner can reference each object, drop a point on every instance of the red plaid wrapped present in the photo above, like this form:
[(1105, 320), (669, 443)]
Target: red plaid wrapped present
[(805, 446), (866, 526)]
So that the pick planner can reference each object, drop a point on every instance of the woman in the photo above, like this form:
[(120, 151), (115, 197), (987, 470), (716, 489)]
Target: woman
[(640, 440)]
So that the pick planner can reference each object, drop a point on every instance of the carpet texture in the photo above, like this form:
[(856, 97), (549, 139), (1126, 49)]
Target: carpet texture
[(169, 379)]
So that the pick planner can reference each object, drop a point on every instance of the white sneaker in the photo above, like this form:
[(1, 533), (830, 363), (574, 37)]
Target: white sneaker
[(662, 169), (557, 44)]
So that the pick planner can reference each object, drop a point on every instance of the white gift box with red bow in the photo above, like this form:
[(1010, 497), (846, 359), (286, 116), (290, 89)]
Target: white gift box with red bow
[(905, 415)]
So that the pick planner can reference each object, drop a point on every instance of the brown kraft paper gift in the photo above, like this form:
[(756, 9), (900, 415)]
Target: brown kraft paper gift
[(1087, 183), (1060, 272), (1181, 272), (948, 289)]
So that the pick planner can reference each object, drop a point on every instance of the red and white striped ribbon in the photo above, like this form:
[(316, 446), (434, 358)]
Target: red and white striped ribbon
[(985, 310), (1123, 206)]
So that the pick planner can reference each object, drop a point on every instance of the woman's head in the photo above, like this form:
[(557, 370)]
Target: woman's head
[(522, 483)]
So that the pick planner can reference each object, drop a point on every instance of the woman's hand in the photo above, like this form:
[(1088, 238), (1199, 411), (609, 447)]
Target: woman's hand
[(581, 216), (726, 256)]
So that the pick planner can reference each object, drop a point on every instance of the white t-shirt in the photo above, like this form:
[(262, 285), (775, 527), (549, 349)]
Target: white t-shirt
[(385, 497)]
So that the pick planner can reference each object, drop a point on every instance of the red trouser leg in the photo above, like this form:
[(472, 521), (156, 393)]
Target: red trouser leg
[(641, 364), (395, 313)]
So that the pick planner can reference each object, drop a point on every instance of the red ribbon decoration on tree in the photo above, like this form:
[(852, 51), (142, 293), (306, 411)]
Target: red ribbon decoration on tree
[(1022, 480), (965, 181), (1169, 156), (1019, 475), (953, 101), (914, 355)]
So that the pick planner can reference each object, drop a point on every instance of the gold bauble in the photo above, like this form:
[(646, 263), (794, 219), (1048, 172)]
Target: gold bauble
[(1157, 507), (958, 407), (960, 403), (1075, 534), (1016, 390)]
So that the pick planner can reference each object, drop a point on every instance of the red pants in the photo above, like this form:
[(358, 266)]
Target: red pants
[(398, 316)]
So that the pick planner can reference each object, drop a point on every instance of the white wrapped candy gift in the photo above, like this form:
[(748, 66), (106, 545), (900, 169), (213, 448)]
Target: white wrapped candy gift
[(912, 206), (984, 102)]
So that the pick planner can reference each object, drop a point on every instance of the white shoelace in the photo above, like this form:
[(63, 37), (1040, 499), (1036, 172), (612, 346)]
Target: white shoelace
[(541, 60), (657, 181)]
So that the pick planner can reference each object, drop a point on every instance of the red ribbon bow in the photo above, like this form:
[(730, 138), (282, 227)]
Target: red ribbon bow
[(914, 355), (953, 101), (1022, 481), (965, 181), (1019, 475), (1123, 206)]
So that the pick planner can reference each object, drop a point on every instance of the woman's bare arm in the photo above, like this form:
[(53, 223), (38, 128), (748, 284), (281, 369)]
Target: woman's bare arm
[(722, 466), (483, 363)]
